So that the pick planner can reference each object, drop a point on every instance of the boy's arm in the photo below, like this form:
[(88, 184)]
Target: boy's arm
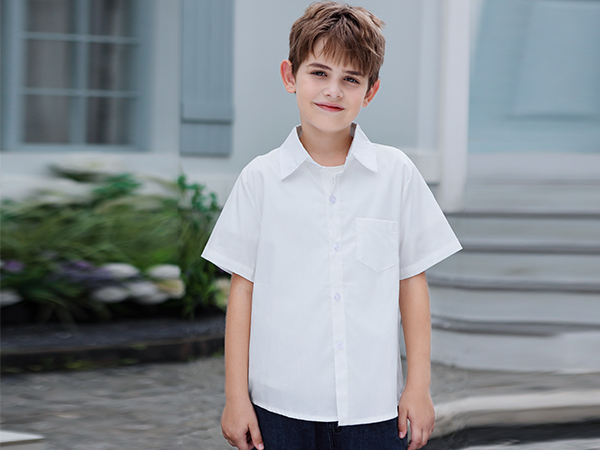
[(415, 402), (239, 423)]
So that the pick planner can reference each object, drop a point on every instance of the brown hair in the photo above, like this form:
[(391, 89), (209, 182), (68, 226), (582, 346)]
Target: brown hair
[(350, 34)]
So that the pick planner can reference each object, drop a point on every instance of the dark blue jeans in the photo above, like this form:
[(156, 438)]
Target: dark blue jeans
[(283, 433)]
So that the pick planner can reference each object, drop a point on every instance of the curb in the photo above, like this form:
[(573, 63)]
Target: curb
[(171, 350), (517, 410), (11, 440)]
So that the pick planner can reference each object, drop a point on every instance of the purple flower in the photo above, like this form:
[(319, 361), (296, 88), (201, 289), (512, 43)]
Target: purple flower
[(82, 265), (85, 274), (13, 266)]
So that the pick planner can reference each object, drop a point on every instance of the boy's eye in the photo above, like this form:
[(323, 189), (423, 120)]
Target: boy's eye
[(352, 80), (319, 73)]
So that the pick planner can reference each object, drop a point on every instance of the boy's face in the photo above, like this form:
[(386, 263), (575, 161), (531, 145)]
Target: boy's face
[(329, 94)]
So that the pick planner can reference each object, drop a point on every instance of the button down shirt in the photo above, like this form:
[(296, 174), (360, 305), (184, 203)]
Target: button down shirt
[(326, 259)]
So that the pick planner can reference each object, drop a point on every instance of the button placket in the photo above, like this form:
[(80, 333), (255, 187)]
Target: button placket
[(337, 306)]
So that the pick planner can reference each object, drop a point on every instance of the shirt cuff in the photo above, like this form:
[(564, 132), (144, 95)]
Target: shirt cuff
[(228, 265), (430, 260)]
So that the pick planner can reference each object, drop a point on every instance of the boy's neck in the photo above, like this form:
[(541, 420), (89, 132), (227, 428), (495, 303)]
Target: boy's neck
[(327, 149)]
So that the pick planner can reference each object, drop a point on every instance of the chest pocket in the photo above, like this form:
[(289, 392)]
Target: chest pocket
[(377, 243)]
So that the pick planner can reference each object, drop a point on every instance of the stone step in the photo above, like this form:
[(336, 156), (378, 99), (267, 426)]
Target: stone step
[(527, 234), (552, 199), (476, 305), (518, 272), (10, 440), (571, 351)]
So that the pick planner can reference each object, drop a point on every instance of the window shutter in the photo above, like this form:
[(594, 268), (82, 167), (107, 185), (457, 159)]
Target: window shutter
[(207, 69)]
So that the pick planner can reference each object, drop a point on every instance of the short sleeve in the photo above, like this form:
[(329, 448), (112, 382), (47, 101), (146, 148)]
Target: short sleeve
[(232, 246), (426, 237)]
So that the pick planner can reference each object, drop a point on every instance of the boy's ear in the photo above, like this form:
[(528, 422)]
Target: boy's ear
[(287, 76), (369, 96)]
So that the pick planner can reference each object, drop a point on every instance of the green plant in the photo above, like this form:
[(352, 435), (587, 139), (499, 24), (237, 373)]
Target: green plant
[(198, 212), (115, 225), (116, 186)]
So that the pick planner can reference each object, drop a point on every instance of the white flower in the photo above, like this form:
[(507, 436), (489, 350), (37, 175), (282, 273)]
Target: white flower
[(157, 186), (141, 288), (91, 164), (174, 287), (66, 187), (152, 299), (53, 199), (110, 294), (223, 285), (164, 271), (120, 270), (9, 297), (20, 188)]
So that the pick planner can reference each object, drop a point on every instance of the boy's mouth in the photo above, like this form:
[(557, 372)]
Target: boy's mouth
[(331, 107)]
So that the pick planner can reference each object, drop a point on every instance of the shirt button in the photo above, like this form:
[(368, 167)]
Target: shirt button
[(340, 345), (336, 246), (332, 199), (337, 297)]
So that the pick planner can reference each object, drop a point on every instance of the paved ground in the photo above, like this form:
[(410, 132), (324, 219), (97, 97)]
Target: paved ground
[(154, 406), (178, 405)]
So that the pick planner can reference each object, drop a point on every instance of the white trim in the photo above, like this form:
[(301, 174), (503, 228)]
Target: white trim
[(454, 104)]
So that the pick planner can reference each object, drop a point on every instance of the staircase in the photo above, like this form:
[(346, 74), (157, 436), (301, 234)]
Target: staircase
[(524, 294)]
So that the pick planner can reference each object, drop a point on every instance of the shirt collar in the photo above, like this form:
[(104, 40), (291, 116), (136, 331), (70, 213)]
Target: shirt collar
[(293, 153)]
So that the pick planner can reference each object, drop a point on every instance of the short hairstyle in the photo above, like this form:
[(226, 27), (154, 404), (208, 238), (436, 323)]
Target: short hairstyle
[(350, 34)]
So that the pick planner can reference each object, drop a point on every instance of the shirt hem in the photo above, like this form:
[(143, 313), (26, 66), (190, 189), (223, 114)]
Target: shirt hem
[(316, 418)]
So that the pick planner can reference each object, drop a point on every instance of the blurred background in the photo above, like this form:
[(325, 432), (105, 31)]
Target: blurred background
[(124, 124)]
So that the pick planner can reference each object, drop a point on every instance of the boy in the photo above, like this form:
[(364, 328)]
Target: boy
[(327, 239)]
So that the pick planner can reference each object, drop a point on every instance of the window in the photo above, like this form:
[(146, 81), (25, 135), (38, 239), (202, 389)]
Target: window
[(72, 75)]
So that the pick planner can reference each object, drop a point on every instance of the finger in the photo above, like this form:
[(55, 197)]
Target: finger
[(229, 440), (244, 442), (427, 433), (402, 424), (255, 435), (416, 438)]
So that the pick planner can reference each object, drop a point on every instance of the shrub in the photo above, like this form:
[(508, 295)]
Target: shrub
[(72, 254)]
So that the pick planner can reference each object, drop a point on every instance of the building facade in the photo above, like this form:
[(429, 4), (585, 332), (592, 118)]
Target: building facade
[(496, 101)]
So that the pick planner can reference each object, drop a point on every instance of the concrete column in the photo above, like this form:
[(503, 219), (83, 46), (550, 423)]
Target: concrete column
[(454, 103)]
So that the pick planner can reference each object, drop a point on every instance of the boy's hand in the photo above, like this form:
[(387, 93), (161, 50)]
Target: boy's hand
[(240, 425), (416, 406)]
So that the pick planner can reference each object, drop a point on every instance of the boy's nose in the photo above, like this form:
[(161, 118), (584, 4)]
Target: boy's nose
[(333, 90)]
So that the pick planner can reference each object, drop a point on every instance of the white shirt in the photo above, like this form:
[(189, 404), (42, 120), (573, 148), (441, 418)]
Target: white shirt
[(326, 259)]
